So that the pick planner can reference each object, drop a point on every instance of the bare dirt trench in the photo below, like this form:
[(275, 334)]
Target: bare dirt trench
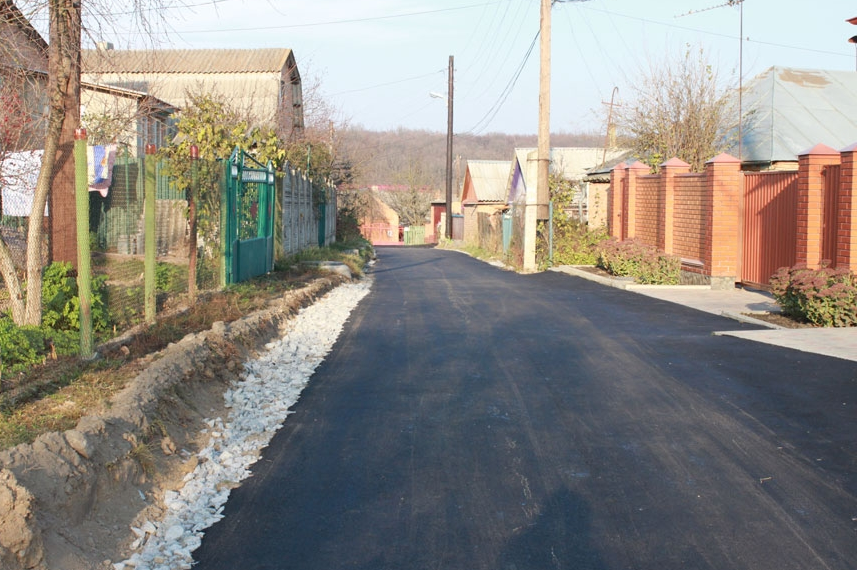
[(69, 499)]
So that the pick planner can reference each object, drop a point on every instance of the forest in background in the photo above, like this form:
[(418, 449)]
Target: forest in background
[(417, 158)]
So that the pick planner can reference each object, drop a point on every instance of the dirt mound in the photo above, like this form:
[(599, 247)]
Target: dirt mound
[(69, 500)]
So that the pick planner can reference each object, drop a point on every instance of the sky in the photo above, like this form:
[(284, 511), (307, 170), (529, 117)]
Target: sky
[(377, 61)]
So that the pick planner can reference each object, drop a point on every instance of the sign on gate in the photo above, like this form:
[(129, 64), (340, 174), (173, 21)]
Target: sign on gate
[(249, 218)]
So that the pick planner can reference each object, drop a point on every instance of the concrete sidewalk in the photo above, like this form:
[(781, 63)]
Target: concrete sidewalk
[(736, 303)]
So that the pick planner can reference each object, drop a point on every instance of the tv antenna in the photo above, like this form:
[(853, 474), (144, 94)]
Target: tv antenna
[(740, 4)]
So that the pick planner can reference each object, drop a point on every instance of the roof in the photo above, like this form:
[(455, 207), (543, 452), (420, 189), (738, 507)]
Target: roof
[(572, 163), (208, 61), (789, 110), (488, 179), (23, 46)]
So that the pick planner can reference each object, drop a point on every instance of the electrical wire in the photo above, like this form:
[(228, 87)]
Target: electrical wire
[(483, 123)]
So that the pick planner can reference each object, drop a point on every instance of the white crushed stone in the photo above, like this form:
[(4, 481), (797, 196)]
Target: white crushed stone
[(259, 403)]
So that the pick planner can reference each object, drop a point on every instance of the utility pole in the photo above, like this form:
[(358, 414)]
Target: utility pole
[(449, 151), (544, 144)]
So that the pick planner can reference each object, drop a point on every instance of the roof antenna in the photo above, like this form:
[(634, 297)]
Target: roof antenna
[(740, 4)]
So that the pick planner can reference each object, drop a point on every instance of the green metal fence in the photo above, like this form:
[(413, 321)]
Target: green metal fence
[(249, 218)]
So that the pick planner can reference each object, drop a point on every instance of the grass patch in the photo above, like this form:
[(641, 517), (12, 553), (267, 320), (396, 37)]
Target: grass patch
[(55, 395)]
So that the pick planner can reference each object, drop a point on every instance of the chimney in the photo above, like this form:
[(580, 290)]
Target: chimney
[(104, 46)]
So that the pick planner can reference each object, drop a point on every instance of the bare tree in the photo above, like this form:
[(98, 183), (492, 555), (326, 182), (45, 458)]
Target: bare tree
[(680, 109), (411, 200), (65, 19)]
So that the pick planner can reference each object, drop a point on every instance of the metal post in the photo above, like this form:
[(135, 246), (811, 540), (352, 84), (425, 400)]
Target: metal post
[(84, 269), (150, 191), (550, 233), (449, 152), (192, 196)]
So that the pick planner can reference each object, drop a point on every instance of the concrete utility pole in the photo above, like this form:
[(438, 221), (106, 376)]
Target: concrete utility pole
[(544, 144), (449, 152)]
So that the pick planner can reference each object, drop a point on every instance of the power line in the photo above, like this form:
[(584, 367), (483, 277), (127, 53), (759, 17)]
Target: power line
[(338, 22), (483, 123)]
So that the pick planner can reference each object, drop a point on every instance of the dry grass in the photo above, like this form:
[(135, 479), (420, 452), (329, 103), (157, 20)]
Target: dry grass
[(54, 396)]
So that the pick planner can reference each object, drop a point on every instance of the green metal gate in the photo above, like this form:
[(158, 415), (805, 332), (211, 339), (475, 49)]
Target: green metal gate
[(249, 218)]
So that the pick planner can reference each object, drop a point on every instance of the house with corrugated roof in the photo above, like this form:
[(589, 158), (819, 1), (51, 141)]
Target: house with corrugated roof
[(483, 197), (570, 163), (23, 75), (787, 111), (263, 83)]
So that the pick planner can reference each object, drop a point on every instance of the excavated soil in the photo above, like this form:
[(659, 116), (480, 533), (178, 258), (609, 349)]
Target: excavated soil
[(68, 500)]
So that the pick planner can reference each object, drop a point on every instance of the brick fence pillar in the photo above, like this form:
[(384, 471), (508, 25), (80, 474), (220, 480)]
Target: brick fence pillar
[(632, 172), (615, 201), (722, 247), (810, 202), (846, 234), (669, 170)]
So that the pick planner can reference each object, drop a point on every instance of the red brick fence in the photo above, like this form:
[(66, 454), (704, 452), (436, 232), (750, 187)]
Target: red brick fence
[(730, 226)]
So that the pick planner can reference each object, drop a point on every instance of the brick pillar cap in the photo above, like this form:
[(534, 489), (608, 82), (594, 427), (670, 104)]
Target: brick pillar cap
[(620, 166), (675, 162), (724, 158), (819, 149), (850, 148), (637, 165)]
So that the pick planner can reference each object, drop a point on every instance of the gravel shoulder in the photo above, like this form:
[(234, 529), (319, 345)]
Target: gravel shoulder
[(70, 500)]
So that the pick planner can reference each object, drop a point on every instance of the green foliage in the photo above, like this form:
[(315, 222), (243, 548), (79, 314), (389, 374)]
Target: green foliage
[(312, 158), (573, 242), (61, 303), (824, 296), (644, 263), (168, 277), (20, 347), (352, 206)]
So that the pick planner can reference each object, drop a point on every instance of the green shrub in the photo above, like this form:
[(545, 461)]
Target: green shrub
[(169, 278), (574, 243), (20, 347), (643, 262), (60, 301), (825, 296)]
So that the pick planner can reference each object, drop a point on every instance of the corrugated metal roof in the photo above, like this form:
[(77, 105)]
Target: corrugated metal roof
[(270, 60), (571, 163), (489, 178), (790, 110)]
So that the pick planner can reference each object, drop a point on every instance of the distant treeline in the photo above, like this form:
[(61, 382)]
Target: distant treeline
[(417, 158)]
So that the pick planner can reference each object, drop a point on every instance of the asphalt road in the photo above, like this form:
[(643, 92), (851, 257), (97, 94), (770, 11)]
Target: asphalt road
[(472, 418)]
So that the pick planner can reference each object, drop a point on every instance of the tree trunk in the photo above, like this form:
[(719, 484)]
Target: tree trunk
[(64, 96)]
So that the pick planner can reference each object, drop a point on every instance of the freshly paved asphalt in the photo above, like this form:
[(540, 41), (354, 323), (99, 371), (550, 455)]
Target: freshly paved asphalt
[(473, 418)]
